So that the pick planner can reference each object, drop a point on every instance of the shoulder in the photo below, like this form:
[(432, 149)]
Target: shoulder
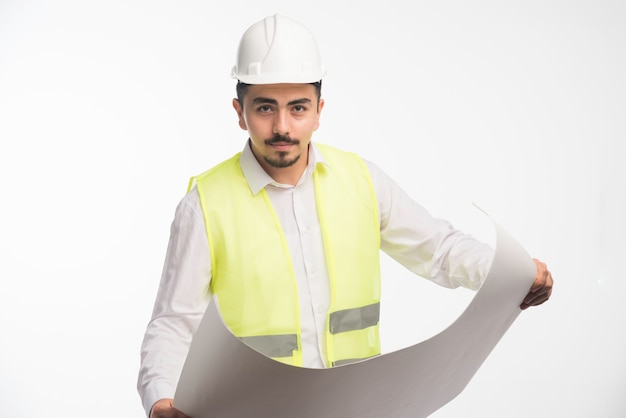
[(189, 206), (334, 157), (326, 149), (329, 152), (225, 165)]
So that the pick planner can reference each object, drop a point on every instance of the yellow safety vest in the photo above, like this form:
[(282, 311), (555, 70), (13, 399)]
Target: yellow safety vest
[(252, 272)]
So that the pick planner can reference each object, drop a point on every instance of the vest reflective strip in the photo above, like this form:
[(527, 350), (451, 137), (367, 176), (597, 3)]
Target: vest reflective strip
[(349, 360), (273, 345), (355, 318)]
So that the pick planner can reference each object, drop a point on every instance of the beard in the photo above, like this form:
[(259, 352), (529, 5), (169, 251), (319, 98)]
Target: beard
[(281, 161)]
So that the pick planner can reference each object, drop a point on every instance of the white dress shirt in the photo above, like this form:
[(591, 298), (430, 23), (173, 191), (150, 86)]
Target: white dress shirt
[(427, 246)]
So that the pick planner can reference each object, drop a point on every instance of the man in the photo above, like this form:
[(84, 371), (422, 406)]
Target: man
[(287, 233)]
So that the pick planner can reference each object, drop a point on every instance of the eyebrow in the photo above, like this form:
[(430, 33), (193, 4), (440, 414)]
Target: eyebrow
[(267, 100)]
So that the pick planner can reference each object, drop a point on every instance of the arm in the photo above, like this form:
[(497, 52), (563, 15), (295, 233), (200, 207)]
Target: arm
[(180, 304), (427, 246), (432, 248)]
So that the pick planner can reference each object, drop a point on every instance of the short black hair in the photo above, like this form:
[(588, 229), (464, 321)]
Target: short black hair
[(242, 89)]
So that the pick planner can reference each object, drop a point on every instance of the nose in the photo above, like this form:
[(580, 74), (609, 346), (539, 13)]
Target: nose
[(281, 123)]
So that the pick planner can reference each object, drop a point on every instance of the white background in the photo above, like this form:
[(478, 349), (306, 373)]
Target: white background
[(107, 109)]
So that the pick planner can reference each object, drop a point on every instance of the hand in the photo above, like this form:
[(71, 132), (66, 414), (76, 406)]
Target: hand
[(163, 408), (541, 289)]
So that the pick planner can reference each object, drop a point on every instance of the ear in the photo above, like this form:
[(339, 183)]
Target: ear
[(239, 109), (320, 106)]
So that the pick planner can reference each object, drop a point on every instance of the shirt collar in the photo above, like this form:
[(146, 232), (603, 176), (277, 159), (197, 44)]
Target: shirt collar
[(258, 179)]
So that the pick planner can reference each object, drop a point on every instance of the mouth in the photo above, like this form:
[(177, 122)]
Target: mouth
[(282, 144)]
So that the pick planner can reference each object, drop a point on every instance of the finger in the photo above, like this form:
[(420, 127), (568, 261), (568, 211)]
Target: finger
[(541, 277), (537, 298), (540, 295)]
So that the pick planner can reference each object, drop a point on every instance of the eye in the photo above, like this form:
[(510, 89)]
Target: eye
[(264, 109), (299, 108)]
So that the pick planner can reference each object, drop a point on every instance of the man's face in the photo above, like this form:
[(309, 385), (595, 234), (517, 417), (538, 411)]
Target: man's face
[(280, 119)]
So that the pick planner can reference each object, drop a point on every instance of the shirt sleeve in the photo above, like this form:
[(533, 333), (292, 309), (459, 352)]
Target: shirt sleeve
[(427, 246), (181, 301)]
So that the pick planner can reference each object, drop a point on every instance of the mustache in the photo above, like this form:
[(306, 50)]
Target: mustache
[(282, 139)]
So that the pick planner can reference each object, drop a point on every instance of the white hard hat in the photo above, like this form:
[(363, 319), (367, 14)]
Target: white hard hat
[(278, 49)]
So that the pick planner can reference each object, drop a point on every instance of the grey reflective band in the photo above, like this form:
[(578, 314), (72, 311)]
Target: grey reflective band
[(273, 345), (355, 318), (349, 360)]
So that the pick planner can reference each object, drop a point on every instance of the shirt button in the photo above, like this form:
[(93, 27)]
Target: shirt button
[(305, 229)]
